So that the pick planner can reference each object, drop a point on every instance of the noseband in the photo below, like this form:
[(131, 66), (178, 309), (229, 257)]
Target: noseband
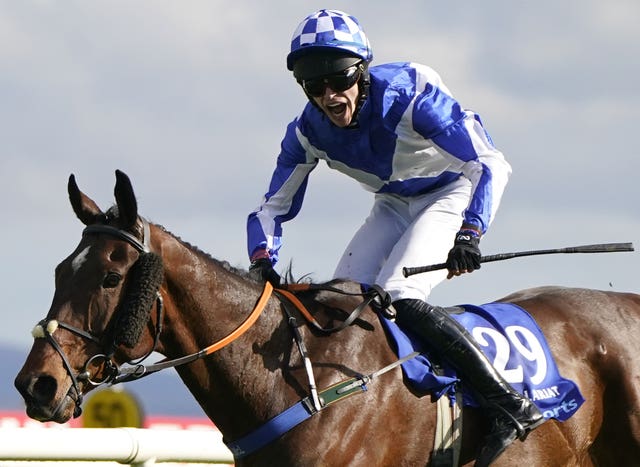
[(46, 328)]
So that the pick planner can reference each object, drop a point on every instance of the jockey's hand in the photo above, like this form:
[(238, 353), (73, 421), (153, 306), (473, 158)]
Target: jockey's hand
[(465, 255), (262, 269)]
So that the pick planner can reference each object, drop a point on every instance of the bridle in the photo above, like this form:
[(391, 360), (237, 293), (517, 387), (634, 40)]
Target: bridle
[(112, 372), (110, 369)]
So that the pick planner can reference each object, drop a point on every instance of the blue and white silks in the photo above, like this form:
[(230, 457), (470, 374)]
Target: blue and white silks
[(413, 137)]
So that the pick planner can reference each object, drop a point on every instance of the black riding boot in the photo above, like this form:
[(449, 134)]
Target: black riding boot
[(513, 416)]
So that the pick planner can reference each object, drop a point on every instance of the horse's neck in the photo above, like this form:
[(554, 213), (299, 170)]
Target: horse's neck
[(205, 301), (208, 298)]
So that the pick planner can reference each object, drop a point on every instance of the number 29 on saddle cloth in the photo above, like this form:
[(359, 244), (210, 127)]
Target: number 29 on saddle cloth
[(513, 342)]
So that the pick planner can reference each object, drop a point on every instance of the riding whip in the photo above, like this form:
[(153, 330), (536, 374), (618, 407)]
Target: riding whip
[(598, 248)]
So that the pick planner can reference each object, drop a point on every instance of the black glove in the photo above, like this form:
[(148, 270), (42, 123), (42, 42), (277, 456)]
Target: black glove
[(465, 255), (262, 269)]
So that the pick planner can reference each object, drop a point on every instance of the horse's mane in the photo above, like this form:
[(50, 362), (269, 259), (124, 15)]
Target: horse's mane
[(287, 275), (206, 256)]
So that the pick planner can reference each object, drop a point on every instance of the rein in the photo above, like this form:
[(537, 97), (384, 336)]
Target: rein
[(374, 294)]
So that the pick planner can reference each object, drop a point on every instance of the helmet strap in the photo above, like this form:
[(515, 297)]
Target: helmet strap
[(364, 83)]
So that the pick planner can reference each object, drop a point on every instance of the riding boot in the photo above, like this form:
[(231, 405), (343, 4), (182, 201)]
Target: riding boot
[(513, 416)]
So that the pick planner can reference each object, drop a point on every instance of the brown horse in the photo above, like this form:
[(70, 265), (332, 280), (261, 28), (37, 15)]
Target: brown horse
[(107, 287)]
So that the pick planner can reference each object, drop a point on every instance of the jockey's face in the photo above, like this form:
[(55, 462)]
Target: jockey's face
[(339, 106)]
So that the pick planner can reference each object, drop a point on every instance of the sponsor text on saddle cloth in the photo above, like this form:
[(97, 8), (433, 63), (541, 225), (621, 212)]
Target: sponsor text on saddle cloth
[(515, 345)]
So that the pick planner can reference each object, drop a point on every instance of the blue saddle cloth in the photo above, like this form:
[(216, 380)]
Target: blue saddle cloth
[(513, 342)]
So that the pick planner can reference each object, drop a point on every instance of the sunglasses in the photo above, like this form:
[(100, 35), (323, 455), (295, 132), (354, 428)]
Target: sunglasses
[(338, 81)]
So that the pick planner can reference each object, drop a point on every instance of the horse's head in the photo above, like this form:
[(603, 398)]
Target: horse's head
[(100, 314)]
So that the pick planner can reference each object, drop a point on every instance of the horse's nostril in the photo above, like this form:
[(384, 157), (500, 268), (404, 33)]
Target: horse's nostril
[(39, 388), (44, 388)]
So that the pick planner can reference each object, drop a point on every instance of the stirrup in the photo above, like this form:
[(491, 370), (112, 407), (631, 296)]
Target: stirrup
[(521, 431), (505, 430), (529, 410)]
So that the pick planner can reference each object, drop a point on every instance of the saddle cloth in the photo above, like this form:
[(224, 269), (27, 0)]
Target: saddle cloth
[(512, 341)]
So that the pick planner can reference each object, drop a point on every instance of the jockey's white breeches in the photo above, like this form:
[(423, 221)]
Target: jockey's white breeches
[(399, 232)]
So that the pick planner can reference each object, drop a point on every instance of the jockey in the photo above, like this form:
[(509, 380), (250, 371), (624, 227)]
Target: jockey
[(437, 181)]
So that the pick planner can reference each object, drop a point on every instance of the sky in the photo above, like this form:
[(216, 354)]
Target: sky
[(191, 100)]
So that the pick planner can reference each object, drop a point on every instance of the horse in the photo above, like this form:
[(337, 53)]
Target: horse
[(131, 287)]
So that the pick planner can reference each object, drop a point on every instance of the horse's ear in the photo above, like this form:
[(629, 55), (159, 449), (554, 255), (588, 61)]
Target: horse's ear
[(85, 208), (126, 201)]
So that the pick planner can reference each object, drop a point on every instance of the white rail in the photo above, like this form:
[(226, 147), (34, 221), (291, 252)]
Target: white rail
[(133, 446)]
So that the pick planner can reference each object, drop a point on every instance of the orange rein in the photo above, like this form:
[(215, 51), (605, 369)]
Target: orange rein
[(257, 310), (240, 330), (298, 304)]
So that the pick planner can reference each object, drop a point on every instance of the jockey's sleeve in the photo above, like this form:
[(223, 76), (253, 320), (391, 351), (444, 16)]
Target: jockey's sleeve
[(460, 136), (483, 165), (284, 198)]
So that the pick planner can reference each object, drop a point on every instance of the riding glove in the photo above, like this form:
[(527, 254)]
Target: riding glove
[(263, 270), (465, 255)]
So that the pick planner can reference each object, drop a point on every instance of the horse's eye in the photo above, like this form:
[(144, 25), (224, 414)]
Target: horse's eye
[(111, 280)]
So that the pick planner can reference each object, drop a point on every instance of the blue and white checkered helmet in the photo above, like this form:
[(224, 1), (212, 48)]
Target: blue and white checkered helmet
[(329, 30)]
